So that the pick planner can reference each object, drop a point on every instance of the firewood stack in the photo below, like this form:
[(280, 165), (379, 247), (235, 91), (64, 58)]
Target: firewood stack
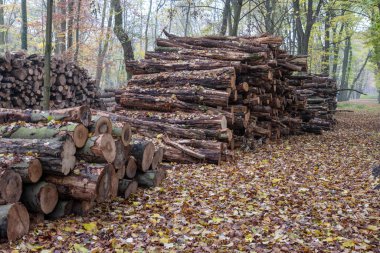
[(21, 83), (320, 93), (247, 82), (66, 161)]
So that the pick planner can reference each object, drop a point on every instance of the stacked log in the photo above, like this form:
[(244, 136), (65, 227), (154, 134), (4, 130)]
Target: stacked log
[(21, 83), (66, 161), (197, 83)]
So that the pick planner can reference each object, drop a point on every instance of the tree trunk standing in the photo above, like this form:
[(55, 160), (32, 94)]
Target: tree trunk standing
[(147, 26), (187, 19), (269, 17), (226, 12), (24, 26), (49, 21), (102, 48), (70, 39), (326, 45), (303, 34), (359, 75), (77, 39), (344, 82), (335, 49), (2, 27), (122, 36), (62, 31), (236, 6)]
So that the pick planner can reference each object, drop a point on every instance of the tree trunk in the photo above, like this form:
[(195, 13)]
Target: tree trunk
[(2, 27), (344, 82), (62, 209), (70, 25), (62, 33), (236, 6), (41, 197), (24, 26), (14, 222), (122, 36), (47, 63), (226, 12), (28, 167), (147, 25), (151, 178), (77, 29), (98, 149)]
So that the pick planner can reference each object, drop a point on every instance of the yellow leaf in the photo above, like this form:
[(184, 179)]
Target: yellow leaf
[(216, 220), (90, 227), (80, 248), (156, 215), (372, 228), (329, 239), (68, 229), (164, 240), (276, 180), (348, 244), (249, 238)]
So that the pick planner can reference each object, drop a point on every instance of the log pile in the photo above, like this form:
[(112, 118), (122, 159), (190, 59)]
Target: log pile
[(66, 161), (222, 91), (21, 83)]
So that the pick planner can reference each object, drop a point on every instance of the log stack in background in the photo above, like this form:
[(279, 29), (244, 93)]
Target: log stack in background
[(66, 161), (188, 86), (21, 83)]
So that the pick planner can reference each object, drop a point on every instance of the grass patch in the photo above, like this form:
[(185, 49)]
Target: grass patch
[(358, 106), (369, 96)]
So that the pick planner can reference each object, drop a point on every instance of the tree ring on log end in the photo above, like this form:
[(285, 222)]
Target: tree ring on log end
[(35, 170), (80, 135), (48, 198), (103, 126), (85, 115), (108, 147), (68, 156), (147, 156), (12, 187), (17, 222)]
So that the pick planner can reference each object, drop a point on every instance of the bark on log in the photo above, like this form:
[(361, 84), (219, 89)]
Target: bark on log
[(143, 151), (56, 156), (10, 186), (127, 187), (62, 209), (40, 197), (81, 114), (150, 178), (14, 221), (77, 131), (29, 168), (98, 149), (222, 78)]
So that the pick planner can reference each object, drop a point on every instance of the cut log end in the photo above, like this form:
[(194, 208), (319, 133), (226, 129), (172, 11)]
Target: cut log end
[(85, 115), (107, 147), (147, 156), (103, 126), (80, 135), (14, 221), (127, 187), (126, 135), (48, 198), (34, 170), (68, 156), (131, 168), (157, 157), (10, 186)]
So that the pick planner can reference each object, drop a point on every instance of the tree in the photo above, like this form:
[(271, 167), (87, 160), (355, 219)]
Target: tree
[(226, 13), (147, 25), (77, 39), (49, 24), (121, 35), (2, 25), (24, 27)]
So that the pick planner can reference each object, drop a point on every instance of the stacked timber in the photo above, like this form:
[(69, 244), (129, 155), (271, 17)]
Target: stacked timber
[(66, 161), (320, 94), (248, 83), (21, 83)]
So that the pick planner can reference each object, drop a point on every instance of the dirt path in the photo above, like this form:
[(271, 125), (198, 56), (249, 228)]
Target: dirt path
[(306, 194)]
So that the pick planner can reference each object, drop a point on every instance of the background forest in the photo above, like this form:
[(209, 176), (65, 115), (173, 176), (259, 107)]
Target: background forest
[(342, 38)]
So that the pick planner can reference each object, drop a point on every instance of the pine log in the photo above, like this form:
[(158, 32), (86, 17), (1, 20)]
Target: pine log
[(14, 221), (150, 178), (98, 149), (40, 197), (131, 168), (143, 151), (62, 209), (56, 156), (127, 187), (10, 186), (81, 114), (222, 78), (77, 131)]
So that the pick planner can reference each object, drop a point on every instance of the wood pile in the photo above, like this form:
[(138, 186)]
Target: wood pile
[(21, 83), (222, 91), (66, 161)]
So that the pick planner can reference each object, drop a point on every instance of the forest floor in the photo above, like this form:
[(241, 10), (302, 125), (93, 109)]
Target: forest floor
[(309, 193)]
